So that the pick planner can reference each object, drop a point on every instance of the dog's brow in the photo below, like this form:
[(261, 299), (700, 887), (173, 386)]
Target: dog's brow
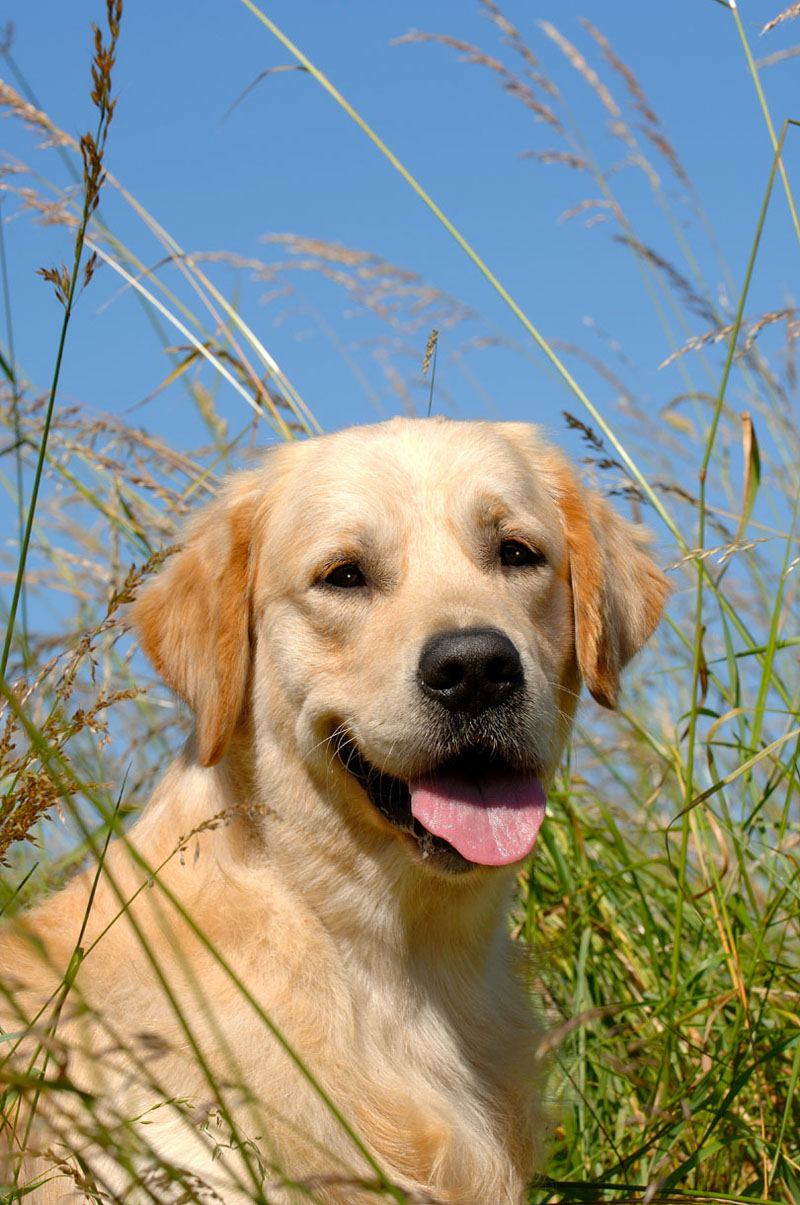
[(492, 513)]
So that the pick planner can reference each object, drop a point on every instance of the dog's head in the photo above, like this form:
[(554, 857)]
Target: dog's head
[(408, 609)]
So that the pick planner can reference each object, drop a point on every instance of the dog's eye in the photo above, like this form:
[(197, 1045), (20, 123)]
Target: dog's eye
[(515, 554), (346, 576)]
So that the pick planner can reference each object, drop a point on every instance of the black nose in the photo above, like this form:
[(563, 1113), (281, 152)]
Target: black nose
[(470, 669)]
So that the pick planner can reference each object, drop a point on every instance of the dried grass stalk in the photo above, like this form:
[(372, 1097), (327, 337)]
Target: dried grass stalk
[(577, 60), (473, 54), (788, 14)]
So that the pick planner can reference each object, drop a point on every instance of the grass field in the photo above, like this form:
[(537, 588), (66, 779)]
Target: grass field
[(663, 907)]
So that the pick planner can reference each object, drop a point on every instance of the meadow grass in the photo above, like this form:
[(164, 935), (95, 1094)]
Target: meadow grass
[(663, 906)]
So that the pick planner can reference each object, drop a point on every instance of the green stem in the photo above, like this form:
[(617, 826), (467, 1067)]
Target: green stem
[(767, 118), (698, 642), (69, 302), (26, 539), (15, 398)]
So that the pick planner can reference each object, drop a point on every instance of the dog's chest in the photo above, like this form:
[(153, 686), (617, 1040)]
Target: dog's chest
[(418, 1078)]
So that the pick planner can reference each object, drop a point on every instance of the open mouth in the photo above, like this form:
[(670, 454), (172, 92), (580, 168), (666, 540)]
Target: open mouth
[(473, 809)]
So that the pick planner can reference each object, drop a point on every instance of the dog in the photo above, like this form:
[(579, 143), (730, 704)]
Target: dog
[(293, 979)]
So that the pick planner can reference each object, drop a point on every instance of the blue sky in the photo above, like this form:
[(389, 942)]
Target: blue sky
[(288, 160)]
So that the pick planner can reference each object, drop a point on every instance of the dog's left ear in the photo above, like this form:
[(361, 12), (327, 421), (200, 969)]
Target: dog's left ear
[(618, 590), (193, 619)]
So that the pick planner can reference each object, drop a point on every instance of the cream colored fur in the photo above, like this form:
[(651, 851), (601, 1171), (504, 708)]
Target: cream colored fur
[(278, 891)]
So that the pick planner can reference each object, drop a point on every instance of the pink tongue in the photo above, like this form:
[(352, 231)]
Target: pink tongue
[(492, 820)]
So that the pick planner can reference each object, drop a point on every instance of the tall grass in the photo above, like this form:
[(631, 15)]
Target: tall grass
[(663, 905)]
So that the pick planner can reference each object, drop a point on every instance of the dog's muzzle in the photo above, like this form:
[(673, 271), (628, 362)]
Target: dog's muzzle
[(477, 805)]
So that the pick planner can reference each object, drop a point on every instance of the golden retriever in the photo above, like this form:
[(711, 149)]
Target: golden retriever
[(295, 978)]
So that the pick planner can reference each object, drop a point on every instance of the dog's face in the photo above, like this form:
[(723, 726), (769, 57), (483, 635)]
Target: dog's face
[(409, 607)]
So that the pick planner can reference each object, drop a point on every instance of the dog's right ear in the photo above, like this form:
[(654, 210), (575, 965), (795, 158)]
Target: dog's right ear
[(618, 591), (193, 619)]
